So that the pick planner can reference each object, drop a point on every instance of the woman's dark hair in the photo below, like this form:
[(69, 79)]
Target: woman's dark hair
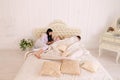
[(49, 36), (78, 37)]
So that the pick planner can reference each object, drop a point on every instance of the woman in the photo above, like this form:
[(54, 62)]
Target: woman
[(42, 43)]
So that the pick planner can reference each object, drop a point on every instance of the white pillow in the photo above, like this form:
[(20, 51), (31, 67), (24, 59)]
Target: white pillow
[(37, 43)]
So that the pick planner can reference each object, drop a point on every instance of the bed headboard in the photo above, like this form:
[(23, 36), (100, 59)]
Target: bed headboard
[(59, 29)]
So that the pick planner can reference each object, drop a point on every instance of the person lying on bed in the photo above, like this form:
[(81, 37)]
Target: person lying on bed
[(62, 45), (42, 43), (69, 41)]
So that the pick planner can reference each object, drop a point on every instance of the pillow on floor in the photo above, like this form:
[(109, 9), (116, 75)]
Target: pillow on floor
[(51, 69), (90, 66), (70, 67)]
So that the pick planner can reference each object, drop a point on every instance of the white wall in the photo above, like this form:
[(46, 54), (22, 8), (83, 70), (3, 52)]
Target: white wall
[(19, 17)]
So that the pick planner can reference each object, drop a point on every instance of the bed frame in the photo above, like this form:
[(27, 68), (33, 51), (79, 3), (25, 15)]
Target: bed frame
[(59, 29), (32, 65)]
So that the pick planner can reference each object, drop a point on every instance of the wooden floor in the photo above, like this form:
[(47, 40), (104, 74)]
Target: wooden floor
[(11, 61)]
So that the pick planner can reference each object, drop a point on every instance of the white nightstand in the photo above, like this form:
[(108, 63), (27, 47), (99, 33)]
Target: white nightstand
[(110, 41)]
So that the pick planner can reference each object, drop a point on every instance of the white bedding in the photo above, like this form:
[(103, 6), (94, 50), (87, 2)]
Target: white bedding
[(31, 71), (31, 67)]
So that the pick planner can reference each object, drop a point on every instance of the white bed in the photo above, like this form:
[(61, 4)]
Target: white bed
[(31, 67)]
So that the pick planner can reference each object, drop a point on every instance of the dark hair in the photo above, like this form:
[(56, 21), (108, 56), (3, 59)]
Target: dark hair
[(78, 37), (49, 36)]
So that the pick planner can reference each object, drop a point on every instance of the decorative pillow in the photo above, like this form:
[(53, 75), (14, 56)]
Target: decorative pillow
[(90, 66), (62, 48), (70, 67), (51, 69), (52, 57)]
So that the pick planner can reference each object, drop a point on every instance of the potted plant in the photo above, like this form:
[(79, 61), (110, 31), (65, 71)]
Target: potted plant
[(26, 44)]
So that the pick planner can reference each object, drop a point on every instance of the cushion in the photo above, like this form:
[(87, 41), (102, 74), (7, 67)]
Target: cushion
[(70, 67), (90, 66), (52, 57), (51, 69), (62, 48)]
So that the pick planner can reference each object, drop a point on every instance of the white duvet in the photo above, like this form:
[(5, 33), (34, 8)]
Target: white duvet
[(32, 66)]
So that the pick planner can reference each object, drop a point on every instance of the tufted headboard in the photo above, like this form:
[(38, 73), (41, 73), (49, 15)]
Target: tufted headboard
[(59, 29)]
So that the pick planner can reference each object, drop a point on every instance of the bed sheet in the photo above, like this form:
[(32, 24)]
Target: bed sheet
[(31, 71)]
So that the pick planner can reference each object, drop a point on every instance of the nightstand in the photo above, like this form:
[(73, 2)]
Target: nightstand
[(110, 41)]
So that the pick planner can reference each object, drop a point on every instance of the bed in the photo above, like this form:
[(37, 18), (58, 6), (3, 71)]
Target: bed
[(31, 68)]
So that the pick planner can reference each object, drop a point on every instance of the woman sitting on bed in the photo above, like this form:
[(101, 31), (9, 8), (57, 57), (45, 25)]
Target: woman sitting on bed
[(42, 43)]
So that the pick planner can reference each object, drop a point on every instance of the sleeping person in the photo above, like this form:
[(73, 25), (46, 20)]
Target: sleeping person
[(62, 46), (67, 41)]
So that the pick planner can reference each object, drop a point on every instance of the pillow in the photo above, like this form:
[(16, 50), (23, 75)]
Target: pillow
[(53, 57), (70, 67), (89, 66), (62, 48), (71, 49), (51, 69)]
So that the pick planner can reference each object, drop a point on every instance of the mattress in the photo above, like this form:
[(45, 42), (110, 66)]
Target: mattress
[(31, 71)]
